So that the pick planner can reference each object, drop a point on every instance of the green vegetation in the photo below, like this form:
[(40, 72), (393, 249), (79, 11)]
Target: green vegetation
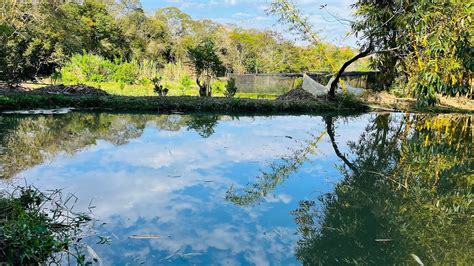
[(421, 47), (36, 227), (230, 88), (81, 69), (207, 65), (178, 104), (130, 49), (38, 37), (418, 46)]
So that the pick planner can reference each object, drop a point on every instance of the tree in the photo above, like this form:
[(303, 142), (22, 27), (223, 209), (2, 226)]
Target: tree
[(100, 32), (37, 37), (299, 24), (32, 39), (207, 65), (420, 40), (180, 26), (441, 56)]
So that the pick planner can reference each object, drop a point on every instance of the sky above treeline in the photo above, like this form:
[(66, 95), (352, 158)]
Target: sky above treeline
[(331, 21)]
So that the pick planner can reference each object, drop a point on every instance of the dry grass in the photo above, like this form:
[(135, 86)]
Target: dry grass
[(385, 100)]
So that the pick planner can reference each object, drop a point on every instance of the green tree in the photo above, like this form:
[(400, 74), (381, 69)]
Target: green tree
[(207, 65), (39, 36), (419, 41)]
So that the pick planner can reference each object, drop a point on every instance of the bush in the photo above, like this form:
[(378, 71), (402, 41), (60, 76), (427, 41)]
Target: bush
[(186, 84), (35, 227), (230, 88), (93, 68), (126, 72), (218, 86), (298, 84)]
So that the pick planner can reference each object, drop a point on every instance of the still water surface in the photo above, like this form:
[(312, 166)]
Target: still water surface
[(281, 190)]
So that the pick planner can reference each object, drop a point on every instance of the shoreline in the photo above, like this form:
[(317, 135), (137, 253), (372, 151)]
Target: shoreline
[(177, 104), (193, 104)]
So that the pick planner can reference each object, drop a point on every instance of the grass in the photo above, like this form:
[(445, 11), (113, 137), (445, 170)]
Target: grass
[(36, 227), (389, 101), (179, 104), (242, 103), (267, 96), (120, 89)]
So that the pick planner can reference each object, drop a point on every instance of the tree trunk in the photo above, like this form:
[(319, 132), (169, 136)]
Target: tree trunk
[(333, 87), (330, 130), (209, 87), (202, 88)]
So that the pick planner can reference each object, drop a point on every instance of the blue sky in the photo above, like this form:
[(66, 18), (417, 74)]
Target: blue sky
[(251, 14)]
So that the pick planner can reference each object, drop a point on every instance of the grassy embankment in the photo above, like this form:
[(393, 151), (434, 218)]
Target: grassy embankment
[(178, 104), (142, 98), (189, 104)]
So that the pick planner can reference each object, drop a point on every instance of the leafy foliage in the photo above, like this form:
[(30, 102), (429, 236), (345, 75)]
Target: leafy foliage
[(93, 68), (230, 88), (425, 49), (37, 37), (207, 64), (35, 227)]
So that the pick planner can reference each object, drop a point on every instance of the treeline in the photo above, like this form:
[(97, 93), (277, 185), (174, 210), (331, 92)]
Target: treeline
[(37, 38)]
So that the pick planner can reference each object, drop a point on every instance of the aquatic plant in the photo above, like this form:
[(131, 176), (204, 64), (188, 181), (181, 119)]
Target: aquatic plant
[(38, 227)]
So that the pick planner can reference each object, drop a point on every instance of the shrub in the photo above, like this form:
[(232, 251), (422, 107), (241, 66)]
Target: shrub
[(230, 88), (126, 72), (93, 68), (86, 68), (298, 84), (218, 86), (35, 226), (185, 83)]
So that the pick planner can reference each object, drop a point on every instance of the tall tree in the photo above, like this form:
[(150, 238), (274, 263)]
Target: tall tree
[(420, 40), (207, 65)]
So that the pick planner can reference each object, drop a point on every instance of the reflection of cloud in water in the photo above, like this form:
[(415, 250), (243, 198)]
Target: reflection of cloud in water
[(174, 183)]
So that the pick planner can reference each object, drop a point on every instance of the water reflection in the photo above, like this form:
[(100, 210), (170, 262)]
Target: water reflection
[(29, 141), (361, 189), (405, 197)]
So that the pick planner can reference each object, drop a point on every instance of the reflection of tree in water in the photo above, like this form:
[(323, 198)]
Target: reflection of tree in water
[(268, 181), (408, 191), (411, 194), (203, 124), (29, 141)]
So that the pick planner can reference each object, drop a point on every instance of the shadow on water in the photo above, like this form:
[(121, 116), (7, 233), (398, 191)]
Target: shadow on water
[(405, 197)]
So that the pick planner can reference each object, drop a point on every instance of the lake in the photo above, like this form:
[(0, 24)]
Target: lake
[(377, 188)]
